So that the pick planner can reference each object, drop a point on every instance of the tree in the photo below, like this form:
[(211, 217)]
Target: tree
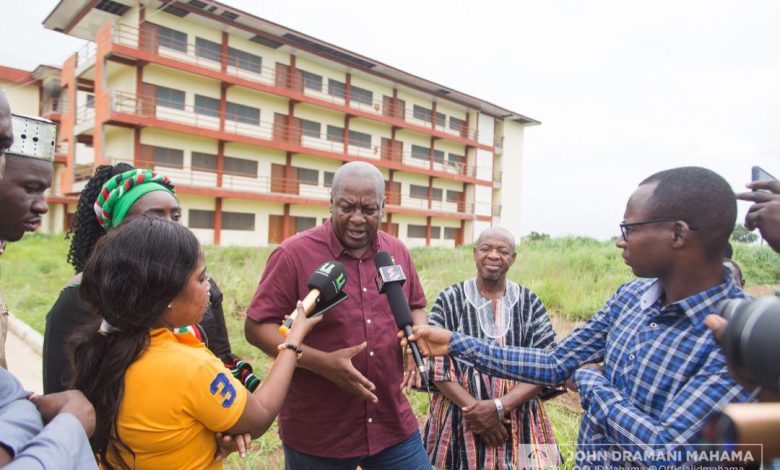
[(742, 235)]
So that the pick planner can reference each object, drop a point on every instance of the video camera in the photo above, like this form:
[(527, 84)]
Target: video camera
[(751, 343)]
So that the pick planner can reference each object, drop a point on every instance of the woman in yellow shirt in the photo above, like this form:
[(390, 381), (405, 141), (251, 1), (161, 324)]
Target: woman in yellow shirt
[(160, 398)]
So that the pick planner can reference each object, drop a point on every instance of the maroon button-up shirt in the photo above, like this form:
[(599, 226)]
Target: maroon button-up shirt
[(318, 417)]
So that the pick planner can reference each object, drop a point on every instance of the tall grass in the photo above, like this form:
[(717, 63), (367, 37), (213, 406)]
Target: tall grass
[(573, 276)]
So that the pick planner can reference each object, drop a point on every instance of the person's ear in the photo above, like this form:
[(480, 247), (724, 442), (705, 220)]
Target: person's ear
[(681, 233)]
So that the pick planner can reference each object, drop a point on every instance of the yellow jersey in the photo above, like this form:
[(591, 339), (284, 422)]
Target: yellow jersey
[(177, 396)]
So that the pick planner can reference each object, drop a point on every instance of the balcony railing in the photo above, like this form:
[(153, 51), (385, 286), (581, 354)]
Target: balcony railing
[(152, 107), (85, 55), (53, 106), (207, 177), (148, 39)]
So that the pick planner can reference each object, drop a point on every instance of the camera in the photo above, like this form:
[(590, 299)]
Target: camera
[(751, 341)]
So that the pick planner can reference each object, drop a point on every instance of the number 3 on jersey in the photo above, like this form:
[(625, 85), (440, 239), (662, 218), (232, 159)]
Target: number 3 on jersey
[(227, 391)]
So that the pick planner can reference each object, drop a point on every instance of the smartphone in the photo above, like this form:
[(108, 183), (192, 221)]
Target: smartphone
[(759, 174)]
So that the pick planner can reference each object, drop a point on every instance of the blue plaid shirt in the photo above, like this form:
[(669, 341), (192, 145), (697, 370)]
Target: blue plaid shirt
[(664, 374)]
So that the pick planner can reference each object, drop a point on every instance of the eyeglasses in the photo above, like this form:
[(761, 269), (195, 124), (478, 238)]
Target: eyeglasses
[(625, 226)]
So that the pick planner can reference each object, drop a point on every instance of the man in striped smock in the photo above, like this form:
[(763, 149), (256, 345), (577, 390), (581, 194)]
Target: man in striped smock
[(479, 421)]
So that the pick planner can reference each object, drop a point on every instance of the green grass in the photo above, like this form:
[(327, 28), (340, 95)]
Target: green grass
[(573, 276)]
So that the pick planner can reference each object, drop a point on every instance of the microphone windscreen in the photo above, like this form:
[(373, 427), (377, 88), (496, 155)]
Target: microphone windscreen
[(382, 259), (329, 279), (399, 305)]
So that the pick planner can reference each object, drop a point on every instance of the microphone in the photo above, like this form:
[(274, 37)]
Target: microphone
[(390, 277), (326, 284)]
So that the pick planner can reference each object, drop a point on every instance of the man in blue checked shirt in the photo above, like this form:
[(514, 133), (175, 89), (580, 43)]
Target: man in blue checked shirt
[(663, 374)]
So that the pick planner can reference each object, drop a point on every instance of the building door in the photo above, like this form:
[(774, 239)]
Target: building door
[(275, 228)]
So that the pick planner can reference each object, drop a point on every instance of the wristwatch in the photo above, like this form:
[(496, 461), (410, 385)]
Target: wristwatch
[(292, 347), (499, 409)]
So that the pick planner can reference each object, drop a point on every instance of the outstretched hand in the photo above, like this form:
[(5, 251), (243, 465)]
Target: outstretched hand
[(431, 340), (764, 215), (338, 368)]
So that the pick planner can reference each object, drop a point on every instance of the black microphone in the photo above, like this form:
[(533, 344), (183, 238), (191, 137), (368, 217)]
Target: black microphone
[(390, 278)]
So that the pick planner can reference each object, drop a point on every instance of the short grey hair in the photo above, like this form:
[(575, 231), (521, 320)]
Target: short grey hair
[(356, 170), (499, 232)]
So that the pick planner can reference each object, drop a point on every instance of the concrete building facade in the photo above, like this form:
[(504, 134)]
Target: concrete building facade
[(251, 119)]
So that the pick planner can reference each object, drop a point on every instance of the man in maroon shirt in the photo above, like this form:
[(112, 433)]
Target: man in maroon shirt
[(345, 406)]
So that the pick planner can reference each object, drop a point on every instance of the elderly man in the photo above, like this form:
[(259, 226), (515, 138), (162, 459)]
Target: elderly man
[(25, 443), (663, 374), (345, 407), (479, 421)]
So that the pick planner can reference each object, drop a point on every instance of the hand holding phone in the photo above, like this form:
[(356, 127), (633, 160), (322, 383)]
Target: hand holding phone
[(764, 214)]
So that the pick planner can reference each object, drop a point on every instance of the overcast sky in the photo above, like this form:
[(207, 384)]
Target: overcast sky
[(623, 88)]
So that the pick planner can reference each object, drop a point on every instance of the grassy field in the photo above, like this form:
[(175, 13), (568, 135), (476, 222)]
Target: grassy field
[(573, 276)]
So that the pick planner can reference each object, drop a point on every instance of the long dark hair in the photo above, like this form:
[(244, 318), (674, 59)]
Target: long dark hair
[(136, 270), (84, 230)]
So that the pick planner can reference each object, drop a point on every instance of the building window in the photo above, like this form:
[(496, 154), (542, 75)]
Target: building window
[(169, 98), (91, 101), (241, 167), (245, 114), (172, 158), (304, 223), (421, 113), (361, 95), (311, 128), (238, 221), (207, 106), (336, 88), (204, 162), (420, 153), (308, 176), (437, 194), (208, 49), (360, 139), (451, 233), (245, 60), (418, 192), (456, 159), (438, 156), (327, 178), (335, 134), (435, 232), (201, 219), (457, 124), (415, 231), (172, 39), (312, 81), (454, 196)]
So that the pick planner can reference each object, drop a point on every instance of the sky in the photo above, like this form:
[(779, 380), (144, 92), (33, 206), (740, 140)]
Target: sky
[(623, 88)]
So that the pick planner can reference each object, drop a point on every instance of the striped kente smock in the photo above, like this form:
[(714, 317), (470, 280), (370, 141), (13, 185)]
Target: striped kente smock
[(519, 319)]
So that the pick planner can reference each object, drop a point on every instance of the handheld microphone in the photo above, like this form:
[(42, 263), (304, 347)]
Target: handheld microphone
[(390, 278), (326, 284)]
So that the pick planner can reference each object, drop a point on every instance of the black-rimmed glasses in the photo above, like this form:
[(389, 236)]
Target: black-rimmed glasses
[(625, 226)]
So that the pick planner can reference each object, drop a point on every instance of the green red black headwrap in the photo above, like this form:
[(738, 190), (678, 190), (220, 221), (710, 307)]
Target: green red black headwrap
[(119, 193)]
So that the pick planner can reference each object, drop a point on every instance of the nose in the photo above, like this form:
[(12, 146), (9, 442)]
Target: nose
[(357, 217), (39, 205), (621, 242)]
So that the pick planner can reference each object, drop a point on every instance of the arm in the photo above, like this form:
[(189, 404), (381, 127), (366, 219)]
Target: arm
[(335, 366), (264, 404), (613, 414), (540, 366), (19, 420), (62, 444)]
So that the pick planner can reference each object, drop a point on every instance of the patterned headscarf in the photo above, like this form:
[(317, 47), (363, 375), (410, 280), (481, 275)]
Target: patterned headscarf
[(121, 191)]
